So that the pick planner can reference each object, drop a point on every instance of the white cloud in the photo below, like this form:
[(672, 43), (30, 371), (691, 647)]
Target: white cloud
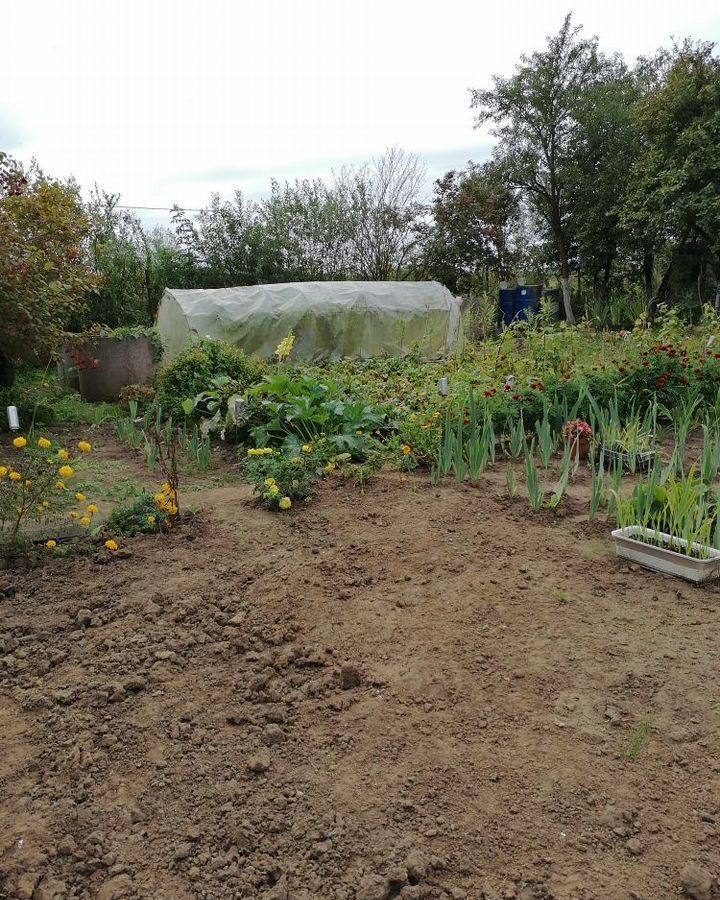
[(166, 100)]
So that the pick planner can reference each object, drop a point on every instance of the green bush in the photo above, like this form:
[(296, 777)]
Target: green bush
[(191, 372), (142, 516)]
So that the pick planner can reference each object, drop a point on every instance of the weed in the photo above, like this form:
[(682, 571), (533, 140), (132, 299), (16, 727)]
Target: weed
[(638, 739)]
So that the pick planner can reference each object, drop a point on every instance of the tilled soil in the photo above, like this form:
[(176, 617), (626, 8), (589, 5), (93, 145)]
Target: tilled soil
[(409, 692)]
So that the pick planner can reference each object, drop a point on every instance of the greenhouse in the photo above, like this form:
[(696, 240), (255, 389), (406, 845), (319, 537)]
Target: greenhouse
[(330, 320)]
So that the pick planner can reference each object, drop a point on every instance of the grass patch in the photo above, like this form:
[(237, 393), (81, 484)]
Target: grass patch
[(638, 739)]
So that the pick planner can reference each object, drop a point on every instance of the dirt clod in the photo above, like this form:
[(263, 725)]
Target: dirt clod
[(350, 677), (696, 881), (259, 762)]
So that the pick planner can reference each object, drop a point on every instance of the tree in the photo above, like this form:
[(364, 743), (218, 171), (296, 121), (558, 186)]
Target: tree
[(381, 201), (306, 228), (534, 114), (44, 276), (674, 197), (604, 146), (225, 246), (120, 257), (474, 218)]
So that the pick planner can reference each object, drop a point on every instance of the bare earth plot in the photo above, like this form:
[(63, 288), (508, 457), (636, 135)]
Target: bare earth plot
[(406, 692)]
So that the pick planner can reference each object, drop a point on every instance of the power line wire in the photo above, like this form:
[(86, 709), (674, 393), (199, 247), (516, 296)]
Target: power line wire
[(160, 208)]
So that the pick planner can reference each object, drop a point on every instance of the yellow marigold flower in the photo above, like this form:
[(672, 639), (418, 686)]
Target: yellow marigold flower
[(166, 489), (92, 509), (66, 471), (84, 447), (28, 482), (274, 490), (269, 482), (60, 485), (359, 432), (160, 500), (63, 454), (44, 444), (3, 471), (171, 509), (406, 449), (19, 443), (266, 451), (151, 520), (295, 460), (308, 499), (111, 545), (85, 521), (15, 476), (44, 504), (330, 467), (307, 448), (285, 503), (81, 498), (51, 545), (73, 514)]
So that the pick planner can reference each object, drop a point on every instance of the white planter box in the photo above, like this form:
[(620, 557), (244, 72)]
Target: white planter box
[(664, 558)]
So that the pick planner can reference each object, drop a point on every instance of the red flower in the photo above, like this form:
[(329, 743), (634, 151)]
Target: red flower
[(622, 370), (508, 387), (683, 380), (487, 393), (645, 364), (516, 396)]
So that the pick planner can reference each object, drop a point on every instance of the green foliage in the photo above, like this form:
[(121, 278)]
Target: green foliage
[(638, 739), (192, 372), (44, 279), (475, 217), (534, 112), (683, 507), (296, 411), (290, 473), (40, 400), (141, 516), (674, 197)]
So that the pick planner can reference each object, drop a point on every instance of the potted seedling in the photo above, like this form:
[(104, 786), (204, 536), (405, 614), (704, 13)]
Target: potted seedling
[(577, 433), (671, 528)]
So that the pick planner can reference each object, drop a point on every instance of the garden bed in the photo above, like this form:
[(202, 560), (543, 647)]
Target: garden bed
[(432, 700)]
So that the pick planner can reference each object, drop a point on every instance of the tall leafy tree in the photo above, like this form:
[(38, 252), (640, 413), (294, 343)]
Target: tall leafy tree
[(604, 145), (44, 276), (534, 114), (475, 215), (674, 196)]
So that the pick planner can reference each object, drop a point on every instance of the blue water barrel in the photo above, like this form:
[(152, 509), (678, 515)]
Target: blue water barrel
[(527, 300), (507, 305)]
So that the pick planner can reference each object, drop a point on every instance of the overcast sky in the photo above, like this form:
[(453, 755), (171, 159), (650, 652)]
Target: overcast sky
[(165, 102)]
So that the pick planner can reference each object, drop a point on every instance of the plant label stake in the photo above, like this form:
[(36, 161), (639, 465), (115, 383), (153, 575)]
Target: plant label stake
[(13, 418), (443, 387)]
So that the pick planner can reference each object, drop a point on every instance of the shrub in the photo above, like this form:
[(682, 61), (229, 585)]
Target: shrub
[(191, 372), (143, 516), (281, 476)]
